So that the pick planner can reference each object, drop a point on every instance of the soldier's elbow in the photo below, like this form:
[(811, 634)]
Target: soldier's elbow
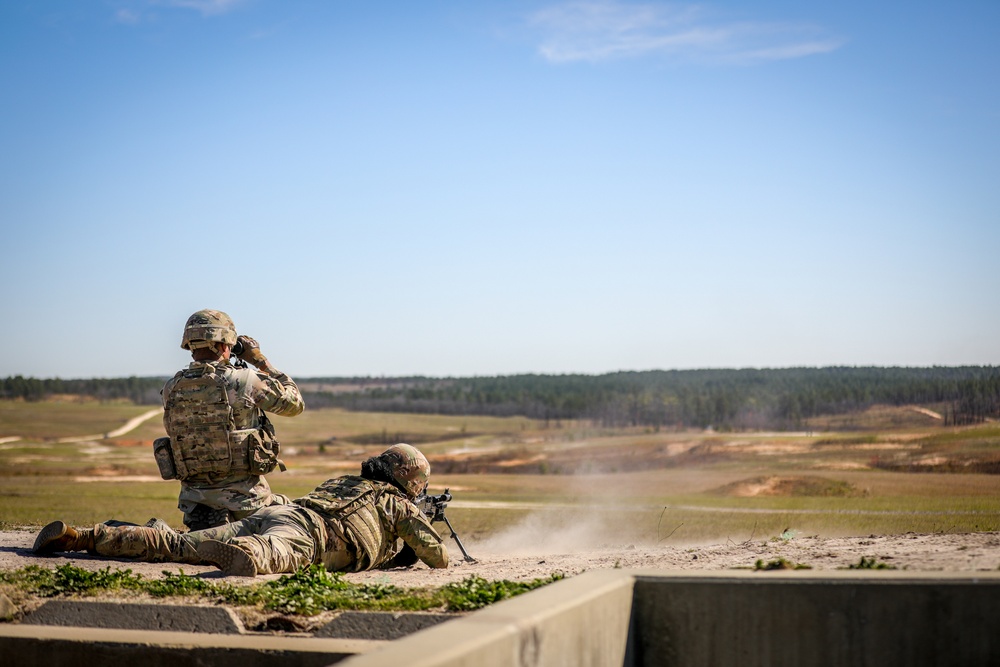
[(291, 408), (435, 561)]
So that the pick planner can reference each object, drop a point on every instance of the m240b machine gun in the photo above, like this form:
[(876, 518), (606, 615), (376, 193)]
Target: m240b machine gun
[(433, 507)]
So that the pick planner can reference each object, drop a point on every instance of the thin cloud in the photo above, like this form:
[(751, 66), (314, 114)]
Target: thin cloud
[(138, 11), (599, 31), (127, 16), (206, 7), (799, 50)]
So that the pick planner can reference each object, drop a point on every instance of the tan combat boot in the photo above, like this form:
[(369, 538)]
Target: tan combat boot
[(57, 536), (228, 557)]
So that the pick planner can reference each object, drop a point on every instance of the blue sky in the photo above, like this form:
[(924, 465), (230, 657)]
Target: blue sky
[(452, 188)]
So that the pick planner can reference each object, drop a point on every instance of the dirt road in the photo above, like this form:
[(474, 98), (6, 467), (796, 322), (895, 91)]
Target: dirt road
[(127, 427)]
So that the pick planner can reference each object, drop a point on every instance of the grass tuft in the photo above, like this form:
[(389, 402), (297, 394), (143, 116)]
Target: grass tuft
[(779, 564), (869, 563), (475, 592), (71, 580)]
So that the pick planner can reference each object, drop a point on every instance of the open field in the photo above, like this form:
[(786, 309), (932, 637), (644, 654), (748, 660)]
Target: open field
[(572, 484), (531, 501), (63, 419)]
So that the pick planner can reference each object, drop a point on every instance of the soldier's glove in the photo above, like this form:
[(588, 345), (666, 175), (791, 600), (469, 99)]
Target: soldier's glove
[(251, 352)]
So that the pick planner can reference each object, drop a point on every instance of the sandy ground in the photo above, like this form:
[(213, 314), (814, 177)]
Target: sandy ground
[(970, 552)]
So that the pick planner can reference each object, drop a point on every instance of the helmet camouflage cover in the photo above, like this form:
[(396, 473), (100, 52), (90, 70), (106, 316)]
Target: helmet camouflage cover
[(206, 327), (409, 467)]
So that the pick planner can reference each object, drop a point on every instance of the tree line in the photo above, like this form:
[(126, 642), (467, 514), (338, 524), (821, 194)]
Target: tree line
[(720, 398), (140, 390)]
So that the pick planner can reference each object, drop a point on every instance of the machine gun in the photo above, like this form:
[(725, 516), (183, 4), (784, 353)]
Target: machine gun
[(433, 508)]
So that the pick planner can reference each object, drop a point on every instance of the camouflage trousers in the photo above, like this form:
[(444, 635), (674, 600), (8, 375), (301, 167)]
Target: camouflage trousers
[(215, 507), (279, 538)]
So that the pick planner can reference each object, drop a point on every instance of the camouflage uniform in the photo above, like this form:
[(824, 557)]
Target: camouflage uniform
[(349, 534), (238, 495)]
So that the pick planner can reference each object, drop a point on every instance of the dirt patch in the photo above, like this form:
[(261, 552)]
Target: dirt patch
[(67, 398), (789, 487), (925, 411), (967, 552), (985, 464), (878, 417)]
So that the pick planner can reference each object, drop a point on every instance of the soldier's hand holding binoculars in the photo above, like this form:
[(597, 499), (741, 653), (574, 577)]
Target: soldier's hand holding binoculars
[(248, 350)]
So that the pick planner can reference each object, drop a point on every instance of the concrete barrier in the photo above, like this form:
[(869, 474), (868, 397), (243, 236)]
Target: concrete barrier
[(379, 624), (832, 618), (745, 618), (209, 619), (619, 617), (582, 621), (55, 646)]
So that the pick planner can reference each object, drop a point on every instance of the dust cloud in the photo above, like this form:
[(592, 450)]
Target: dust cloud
[(543, 534)]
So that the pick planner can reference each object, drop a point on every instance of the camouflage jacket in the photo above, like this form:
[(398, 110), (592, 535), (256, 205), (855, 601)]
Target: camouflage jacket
[(248, 390), (371, 516)]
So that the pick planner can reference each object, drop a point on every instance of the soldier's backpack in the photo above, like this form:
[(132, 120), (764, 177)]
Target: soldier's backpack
[(204, 442)]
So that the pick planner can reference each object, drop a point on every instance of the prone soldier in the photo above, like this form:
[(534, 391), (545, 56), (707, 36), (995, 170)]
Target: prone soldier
[(349, 523)]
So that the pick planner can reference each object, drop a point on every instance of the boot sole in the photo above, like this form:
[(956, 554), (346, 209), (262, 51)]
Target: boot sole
[(228, 558), (48, 535)]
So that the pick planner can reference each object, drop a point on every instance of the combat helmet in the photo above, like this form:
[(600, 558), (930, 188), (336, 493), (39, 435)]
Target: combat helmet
[(409, 468), (206, 327)]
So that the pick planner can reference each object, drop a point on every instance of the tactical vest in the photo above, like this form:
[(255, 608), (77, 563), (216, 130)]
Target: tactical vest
[(354, 502), (204, 441)]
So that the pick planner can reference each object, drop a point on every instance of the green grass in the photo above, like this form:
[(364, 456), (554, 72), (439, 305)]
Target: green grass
[(34, 501), (316, 426), (307, 592), (989, 432), (54, 419)]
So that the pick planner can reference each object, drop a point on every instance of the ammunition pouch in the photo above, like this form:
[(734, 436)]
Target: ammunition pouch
[(164, 456), (262, 453)]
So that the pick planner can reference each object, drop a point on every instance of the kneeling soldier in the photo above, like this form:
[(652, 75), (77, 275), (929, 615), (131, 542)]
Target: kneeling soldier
[(221, 443)]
